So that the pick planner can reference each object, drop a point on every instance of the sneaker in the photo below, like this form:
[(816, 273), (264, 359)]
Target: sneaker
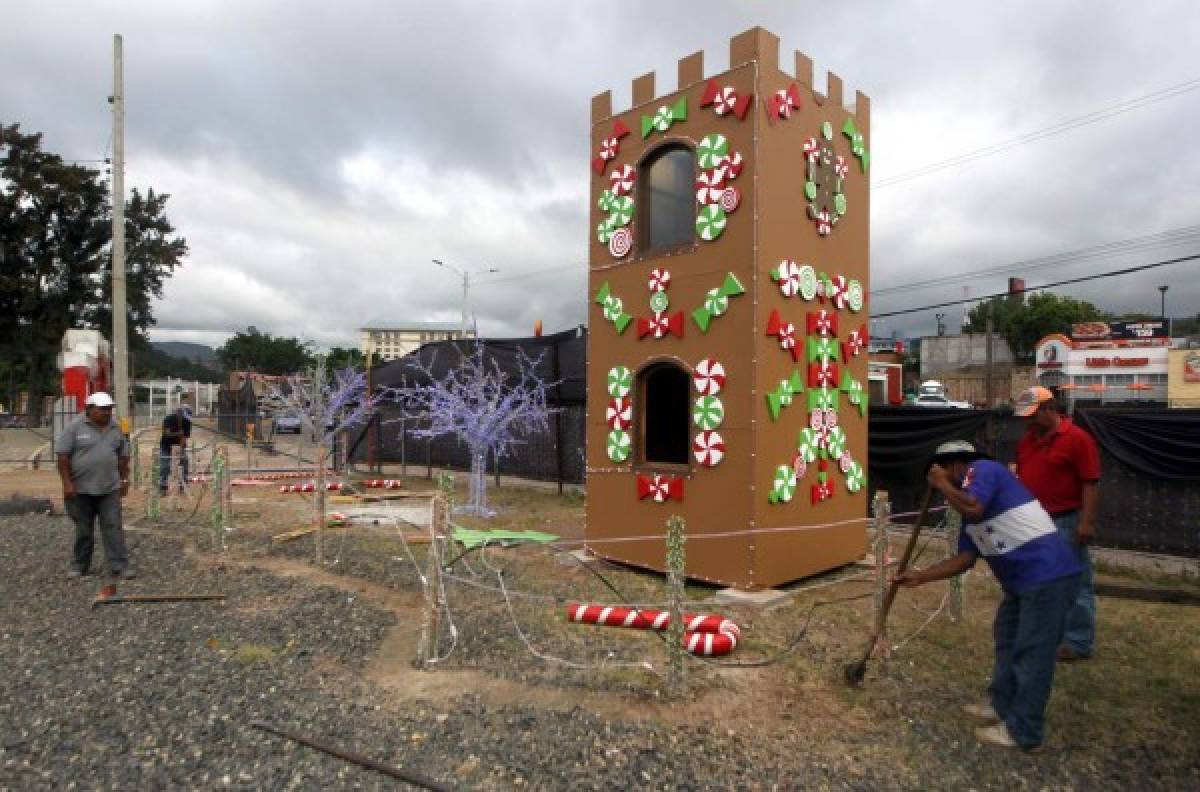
[(74, 573), (982, 710), (998, 735), (1066, 654)]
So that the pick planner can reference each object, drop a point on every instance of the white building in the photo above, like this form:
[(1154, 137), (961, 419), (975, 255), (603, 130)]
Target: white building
[(1106, 362), (391, 340)]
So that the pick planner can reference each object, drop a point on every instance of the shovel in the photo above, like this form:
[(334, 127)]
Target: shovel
[(856, 671)]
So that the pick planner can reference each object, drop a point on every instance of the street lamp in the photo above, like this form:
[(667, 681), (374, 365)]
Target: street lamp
[(941, 327), (1163, 308), (466, 281)]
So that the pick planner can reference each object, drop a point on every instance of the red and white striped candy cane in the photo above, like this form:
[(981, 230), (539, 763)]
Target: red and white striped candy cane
[(704, 634)]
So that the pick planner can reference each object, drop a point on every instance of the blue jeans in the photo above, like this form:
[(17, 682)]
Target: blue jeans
[(1080, 631), (1027, 630)]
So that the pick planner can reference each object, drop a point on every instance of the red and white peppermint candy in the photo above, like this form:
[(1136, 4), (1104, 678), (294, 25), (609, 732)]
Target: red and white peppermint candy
[(731, 198), (785, 103), (732, 164), (709, 377), (659, 280), (609, 148), (710, 185), (620, 243), (619, 413), (824, 226), (787, 336), (725, 100), (660, 324), (659, 490), (840, 167), (837, 292), (812, 149), (789, 278), (621, 180), (708, 448)]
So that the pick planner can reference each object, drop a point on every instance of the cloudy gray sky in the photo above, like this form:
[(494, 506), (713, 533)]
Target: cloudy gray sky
[(320, 154)]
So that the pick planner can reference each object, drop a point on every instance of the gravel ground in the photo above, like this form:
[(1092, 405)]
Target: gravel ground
[(160, 696)]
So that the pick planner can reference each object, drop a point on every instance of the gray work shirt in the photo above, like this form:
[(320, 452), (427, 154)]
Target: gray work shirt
[(93, 453)]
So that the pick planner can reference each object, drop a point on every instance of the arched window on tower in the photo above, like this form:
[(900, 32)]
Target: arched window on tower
[(666, 194), (663, 414)]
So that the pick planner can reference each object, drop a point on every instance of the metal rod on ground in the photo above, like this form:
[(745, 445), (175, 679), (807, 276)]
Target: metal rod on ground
[(855, 672), (133, 599), (676, 562), (957, 594), (358, 759)]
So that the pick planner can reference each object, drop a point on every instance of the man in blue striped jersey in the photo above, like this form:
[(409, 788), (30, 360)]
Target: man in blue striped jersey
[(1035, 567)]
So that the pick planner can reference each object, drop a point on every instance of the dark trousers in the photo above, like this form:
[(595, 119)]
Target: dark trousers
[(164, 467), (84, 510), (1027, 630)]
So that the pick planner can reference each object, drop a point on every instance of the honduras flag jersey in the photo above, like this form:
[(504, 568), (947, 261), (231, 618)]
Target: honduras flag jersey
[(1016, 536)]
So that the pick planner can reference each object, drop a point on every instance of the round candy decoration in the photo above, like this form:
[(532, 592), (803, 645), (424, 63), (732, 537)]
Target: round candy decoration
[(619, 445), (789, 278), (709, 448), (787, 335), (808, 282), (854, 296), (799, 465), (783, 488), (621, 180), (606, 201), (731, 198), (619, 413), (620, 382), (659, 280), (604, 230), (613, 307), (609, 148), (659, 302), (855, 478), (807, 444), (710, 222), (622, 211), (708, 412), (715, 302), (732, 164), (831, 417), (725, 101), (816, 419), (845, 462), (620, 243), (709, 377), (710, 150), (710, 186), (835, 442)]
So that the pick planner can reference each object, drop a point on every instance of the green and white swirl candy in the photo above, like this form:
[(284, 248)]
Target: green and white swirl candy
[(708, 412), (619, 445), (613, 307), (715, 302), (808, 282), (621, 211), (620, 382), (854, 296), (710, 150)]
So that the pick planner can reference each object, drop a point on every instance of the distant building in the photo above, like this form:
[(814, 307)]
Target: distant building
[(391, 340), (1107, 362)]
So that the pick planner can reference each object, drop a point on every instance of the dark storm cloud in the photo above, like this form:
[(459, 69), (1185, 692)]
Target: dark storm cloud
[(320, 154)]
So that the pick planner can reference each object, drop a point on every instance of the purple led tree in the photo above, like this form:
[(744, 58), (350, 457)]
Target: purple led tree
[(487, 408)]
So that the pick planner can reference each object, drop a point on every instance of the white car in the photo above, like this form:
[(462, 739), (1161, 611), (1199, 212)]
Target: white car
[(933, 400)]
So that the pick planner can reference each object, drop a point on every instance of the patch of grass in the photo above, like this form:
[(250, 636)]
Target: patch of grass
[(253, 654)]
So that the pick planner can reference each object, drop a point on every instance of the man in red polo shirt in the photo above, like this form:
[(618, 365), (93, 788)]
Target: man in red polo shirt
[(1060, 464)]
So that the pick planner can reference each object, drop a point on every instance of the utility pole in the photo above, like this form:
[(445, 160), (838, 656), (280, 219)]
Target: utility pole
[(466, 285), (120, 332), (1162, 311), (989, 328)]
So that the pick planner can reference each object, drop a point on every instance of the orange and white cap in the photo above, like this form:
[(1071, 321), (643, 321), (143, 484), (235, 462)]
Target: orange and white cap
[(1030, 399)]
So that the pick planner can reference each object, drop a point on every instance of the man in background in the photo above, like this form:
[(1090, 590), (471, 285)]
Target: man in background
[(93, 463), (1060, 464), (176, 431)]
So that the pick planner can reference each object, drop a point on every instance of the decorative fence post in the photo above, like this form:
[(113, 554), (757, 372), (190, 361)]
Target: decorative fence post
[(152, 506), (676, 557), (432, 582), (957, 594), (881, 507), (217, 513)]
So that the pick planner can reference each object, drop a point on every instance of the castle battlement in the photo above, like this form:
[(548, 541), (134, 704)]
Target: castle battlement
[(756, 45)]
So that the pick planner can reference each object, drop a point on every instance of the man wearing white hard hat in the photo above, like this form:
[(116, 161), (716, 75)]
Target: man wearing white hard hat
[(93, 463)]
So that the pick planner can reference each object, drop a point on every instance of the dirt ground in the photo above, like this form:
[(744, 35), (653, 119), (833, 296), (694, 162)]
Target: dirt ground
[(1129, 716)]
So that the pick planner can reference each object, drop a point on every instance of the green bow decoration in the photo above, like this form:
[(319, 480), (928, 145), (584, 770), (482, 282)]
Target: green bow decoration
[(782, 396), (858, 146), (856, 394), (822, 399), (703, 315), (823, 350), (613, 309), (664, 117)]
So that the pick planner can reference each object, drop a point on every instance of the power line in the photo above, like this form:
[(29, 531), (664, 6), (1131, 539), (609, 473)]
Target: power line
[(1097, 276), (1029, 137)]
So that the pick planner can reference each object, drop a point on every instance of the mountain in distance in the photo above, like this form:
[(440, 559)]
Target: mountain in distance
[(184, 350)]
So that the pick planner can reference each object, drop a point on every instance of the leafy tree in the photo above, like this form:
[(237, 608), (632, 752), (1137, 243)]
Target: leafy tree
[(264, 353), (345, 358), (1023, 322), (55, 256)]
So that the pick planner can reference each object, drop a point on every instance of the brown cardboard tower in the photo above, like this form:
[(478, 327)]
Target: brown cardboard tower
[(728, 270)]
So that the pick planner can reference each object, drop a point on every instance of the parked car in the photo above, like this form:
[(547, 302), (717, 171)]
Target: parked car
[(288, 422), (933, 400)]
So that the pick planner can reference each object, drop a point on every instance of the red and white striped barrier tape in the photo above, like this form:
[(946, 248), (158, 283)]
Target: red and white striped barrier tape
[(705, 634), (331, 486)]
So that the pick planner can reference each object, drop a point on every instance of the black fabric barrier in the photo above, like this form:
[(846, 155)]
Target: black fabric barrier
[(1163, 443)]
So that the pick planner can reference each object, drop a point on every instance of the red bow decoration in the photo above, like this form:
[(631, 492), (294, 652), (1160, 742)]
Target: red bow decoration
[(785, 332), (660, 488), (610, 146), (821, 323), (822, 375), (661, 325), (784, 102), (725, 100), (822, 491), (854, 343)]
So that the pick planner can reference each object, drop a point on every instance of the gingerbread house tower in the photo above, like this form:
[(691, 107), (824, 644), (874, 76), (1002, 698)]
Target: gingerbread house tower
[(727, 362)]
